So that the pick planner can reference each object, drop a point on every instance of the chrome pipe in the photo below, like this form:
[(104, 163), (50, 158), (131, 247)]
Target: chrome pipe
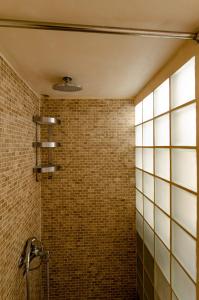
[(10, 23), (32, 249), (27, 286)]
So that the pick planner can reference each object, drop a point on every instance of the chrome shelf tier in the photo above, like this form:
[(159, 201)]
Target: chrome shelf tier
[(46, 120), (49, 167), (46, 144), (46, 169)]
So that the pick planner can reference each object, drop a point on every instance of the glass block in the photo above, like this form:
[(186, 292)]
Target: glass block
[(139, 224), (174, 296), (148, 160), (138, 158), (138, 135), (138, 179), (183, 84), (149, 212), (183, 126), (162, 226), (161, 98), (149, 238), (148, 287), (139, 288), (162, 195), (148, 186), (139, 246), (162, 257), (146, 297), (162, 163), (184, 168), (139, 267), (138, 113), (182, 285), (161, 284), (139, 202), (148, 107), (149, 263), (184, 249), (148, 134), (184, 209), (162, 135), (156, 297)]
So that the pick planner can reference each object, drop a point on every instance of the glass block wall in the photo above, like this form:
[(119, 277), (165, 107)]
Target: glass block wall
[(166, 189)]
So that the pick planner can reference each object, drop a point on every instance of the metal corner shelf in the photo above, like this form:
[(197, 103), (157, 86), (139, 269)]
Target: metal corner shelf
[(46, 120), (46, 144), (46, 169), (49, 144)]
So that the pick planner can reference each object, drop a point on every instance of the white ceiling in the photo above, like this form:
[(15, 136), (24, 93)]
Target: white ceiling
[(107, 66)]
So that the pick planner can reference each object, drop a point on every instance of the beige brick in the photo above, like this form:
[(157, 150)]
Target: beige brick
[(88, 208), (20, 195)]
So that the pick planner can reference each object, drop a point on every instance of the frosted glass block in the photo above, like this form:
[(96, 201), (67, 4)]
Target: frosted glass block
[(139, 287), (183, 126), (161, 98), (149, 263), (182, 285), (148, 287), (148, 160), (174, 297), (148, 107), (139, 202), (184, 168), (148, 134), (139, 246), (149, 238), (162, 286), (183, 84), (139, 224), (162, 257), (138, 158), (184, 249), (139, 267), (148, 186), (138, 135), (162, 163), (162, 226), (149, 212), (184, 209), (138, 179), (162, 135), (138, 113), (162, 195)]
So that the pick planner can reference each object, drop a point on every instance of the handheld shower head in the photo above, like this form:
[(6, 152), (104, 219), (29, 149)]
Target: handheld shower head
[(66, 85)]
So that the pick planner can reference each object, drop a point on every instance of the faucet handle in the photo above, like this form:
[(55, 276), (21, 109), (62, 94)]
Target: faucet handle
[(33, 248)]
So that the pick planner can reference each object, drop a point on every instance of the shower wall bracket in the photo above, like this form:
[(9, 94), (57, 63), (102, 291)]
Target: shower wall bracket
[(50, 167)]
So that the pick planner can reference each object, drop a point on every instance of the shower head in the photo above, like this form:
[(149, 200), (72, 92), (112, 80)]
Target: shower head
[(66, 85)]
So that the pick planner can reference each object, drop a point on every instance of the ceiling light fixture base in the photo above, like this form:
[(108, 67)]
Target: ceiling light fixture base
[(67, 78), (197, 37)]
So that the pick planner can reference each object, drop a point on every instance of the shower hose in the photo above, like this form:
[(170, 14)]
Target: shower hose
[(27, 275)]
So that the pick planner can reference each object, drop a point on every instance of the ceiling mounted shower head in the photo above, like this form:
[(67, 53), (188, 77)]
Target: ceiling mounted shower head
[(66, 85)]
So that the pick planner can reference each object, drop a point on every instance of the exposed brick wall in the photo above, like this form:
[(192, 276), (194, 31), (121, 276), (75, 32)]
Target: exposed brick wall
[(20, 196), (88, 209)]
